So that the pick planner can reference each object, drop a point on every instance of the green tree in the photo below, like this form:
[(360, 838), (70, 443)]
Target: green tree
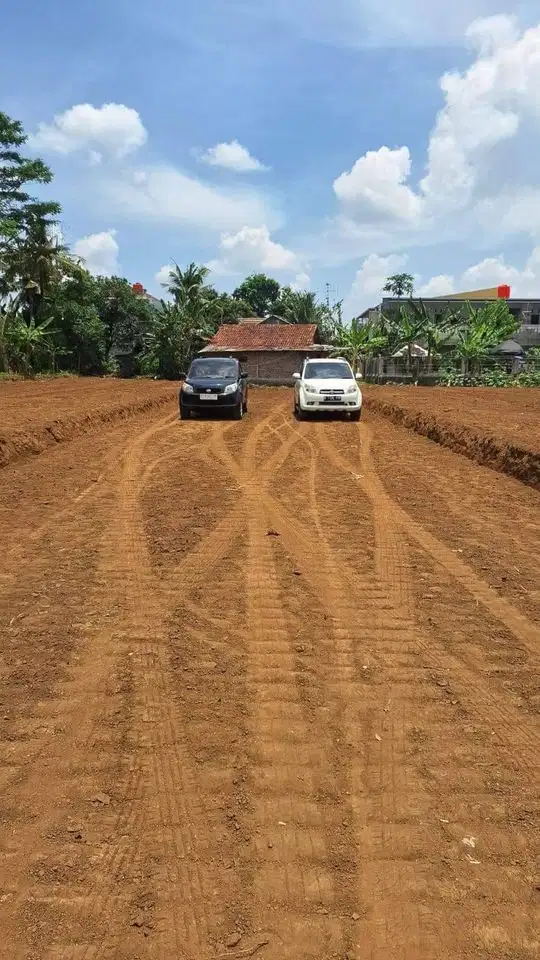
[(83, 336), (17, 207), (485, 328), (188, 287), (30, 342), (358, 341), (174, 338), (223, 308), (126, 315), (434, 330), (297, 306), (400, 285), (260, 292)]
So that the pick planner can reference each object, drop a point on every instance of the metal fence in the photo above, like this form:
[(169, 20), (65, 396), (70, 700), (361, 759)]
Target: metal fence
[(441, 369)]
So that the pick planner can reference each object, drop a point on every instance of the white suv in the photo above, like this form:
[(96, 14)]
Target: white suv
[(327, 385)]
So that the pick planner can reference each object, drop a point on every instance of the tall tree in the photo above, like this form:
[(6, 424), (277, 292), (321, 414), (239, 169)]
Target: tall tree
[(400, 285), (260, 292), (188, 287), (20, 213)]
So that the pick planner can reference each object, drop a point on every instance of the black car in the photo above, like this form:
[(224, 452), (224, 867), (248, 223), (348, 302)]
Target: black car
[(215, 384)]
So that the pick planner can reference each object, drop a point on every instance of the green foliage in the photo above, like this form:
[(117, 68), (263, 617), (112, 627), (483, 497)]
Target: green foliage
[(174, 338), (359, 341), (486, 327), (18, 210), (496, 377), (260, 292), (400, 285)]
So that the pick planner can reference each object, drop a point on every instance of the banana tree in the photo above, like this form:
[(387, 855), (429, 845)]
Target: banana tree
[(408, 328), (485, 328), (29, 339), (435, 330), (359, 341)]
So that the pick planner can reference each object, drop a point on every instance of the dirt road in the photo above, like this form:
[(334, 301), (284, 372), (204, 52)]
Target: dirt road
[(267, 690)]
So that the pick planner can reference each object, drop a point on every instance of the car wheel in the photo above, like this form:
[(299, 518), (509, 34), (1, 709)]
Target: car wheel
[(238, 412), (184, 414), (300, 414), (355, 415)]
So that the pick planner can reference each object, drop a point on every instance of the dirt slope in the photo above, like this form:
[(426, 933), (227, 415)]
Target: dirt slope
[(499, 428), (259, 700)]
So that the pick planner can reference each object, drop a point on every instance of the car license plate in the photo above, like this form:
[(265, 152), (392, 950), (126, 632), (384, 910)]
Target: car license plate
[(333, 399), (208, 396)]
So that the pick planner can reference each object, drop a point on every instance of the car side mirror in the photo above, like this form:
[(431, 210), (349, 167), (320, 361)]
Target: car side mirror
[(296, 376), (359, 376), (183, 376), (243, 376)]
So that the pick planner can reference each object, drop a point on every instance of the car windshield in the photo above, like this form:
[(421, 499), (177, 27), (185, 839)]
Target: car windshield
[(228, 369), (327, 371)]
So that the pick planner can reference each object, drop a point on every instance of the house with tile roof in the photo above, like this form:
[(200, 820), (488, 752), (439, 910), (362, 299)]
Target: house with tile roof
[(270, 350)]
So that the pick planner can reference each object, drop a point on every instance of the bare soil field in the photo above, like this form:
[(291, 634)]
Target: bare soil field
[(39, 413), (268, 690), (500, 427)]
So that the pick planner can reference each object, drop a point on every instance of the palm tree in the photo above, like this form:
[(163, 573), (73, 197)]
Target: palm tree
[(300, 306), (400, 285), (187, 287), (35, 263), (359, 341)]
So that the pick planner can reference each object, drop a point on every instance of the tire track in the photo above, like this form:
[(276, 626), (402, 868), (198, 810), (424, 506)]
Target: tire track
[(394, 571), (294, 883)]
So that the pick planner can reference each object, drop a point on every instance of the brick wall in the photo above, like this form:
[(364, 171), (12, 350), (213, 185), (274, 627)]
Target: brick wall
[(273, 366)]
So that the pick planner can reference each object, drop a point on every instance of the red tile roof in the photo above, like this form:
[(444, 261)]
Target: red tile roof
[(276, 336)]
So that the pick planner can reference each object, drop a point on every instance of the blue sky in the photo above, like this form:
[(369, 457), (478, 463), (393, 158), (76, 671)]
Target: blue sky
[(315, 141)]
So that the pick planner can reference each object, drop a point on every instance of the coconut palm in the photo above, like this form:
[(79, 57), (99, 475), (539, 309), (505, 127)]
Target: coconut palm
[(187, 287)]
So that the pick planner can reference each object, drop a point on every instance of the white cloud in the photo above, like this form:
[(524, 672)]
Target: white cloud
[(163, 274), (169, 195), (438, 286), (376, 185), (99, 252), (490, 272), (112, 129), (491, 103), (232, 156), (301, 282), (366, 290), (252, 248)]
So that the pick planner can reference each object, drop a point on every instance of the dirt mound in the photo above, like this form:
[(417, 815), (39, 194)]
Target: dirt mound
[(34, 439), (488, 450)]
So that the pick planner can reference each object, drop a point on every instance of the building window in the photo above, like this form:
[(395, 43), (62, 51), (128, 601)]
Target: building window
[(535, 319), (516, 312)]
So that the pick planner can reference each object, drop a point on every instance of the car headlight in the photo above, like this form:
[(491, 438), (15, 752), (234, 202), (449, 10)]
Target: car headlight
[(187, 388), (309, 388), (352, 389), (231, 388)]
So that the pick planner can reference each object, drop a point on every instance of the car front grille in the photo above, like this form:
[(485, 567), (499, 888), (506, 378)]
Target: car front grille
[(333, 393)]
